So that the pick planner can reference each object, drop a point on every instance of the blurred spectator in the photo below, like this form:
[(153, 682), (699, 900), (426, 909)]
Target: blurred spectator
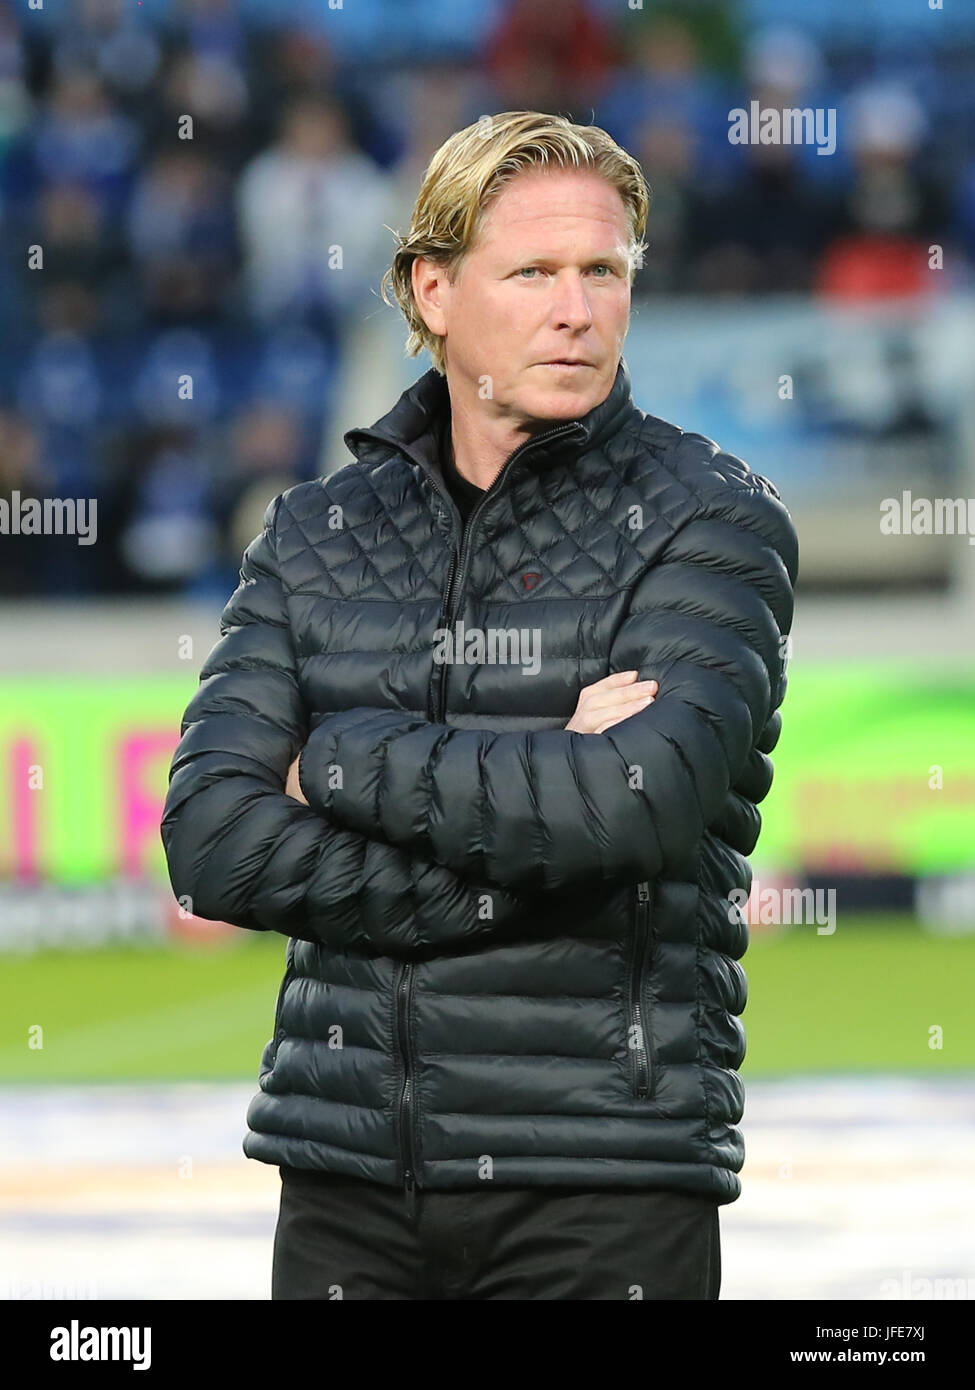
[(785, 67), (312, 215), (434, 100), (293, 62), (61, 394), (892, 209), (297, 61), (214, 29), (21, 465), (296, 369), (666, 151), (176, 381), (83, 139), (266, 440), (182, 235), (59, 386), (203, 97), (107, 37), (28, 563), (762, 233), (81, 246), (783, 57), (167, 535), (664, 84), (540, 58), (15, 102), (67, 307)]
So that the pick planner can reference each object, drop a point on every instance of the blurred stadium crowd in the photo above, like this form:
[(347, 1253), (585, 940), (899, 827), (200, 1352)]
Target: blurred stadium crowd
[(240, 256)]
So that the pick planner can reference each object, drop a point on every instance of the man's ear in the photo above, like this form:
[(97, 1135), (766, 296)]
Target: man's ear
[(429, 281)]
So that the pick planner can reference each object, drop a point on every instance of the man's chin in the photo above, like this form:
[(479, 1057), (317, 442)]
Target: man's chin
[(561, 401)]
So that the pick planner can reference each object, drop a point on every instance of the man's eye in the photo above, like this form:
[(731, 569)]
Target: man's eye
[(603, 266), (527, 269)]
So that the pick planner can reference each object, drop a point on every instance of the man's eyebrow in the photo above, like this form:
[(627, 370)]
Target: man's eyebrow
[(600, 258)]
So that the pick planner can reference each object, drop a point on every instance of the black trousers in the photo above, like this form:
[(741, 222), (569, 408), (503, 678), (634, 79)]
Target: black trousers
[(340, 1237)]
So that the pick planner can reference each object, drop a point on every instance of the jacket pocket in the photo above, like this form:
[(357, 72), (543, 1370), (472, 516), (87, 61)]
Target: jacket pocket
[(639, 1041)]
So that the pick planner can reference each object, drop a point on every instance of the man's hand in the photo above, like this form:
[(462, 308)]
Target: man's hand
[(291, 787), (609, 701)]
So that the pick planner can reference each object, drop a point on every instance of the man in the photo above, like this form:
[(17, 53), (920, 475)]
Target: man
[(484, 737)]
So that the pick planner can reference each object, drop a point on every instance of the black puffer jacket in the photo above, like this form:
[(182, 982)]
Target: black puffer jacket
[(512, 957)]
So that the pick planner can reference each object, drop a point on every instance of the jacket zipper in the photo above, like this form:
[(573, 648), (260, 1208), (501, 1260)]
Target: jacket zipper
[(444, 623), (282, 988), (641, 1072), (458, 565), (403, 992), (459, 561)]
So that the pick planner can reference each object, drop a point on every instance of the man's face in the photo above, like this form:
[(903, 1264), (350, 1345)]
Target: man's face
[(548, 278)]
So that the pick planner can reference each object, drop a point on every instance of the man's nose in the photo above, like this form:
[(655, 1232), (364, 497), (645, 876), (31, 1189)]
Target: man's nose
[(571, 306)]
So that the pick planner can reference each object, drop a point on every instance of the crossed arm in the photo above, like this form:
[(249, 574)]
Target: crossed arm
[(600, 705), (552, 810)]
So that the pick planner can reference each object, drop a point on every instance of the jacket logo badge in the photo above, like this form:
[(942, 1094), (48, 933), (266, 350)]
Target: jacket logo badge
[(530, 579)]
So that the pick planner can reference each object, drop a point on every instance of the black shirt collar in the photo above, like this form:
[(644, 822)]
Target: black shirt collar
[(462, 490)]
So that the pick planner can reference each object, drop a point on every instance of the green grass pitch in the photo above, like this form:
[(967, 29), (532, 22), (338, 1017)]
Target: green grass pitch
[(863, 999)]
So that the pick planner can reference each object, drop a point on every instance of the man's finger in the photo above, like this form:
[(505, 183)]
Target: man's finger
[(610, 700)]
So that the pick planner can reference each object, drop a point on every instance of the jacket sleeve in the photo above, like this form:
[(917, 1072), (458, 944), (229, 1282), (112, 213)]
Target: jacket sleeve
[(241, 850), (548, 810)]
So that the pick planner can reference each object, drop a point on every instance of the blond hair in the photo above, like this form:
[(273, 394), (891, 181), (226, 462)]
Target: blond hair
[(469, 171)]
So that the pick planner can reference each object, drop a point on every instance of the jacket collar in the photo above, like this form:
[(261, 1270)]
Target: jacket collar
[(413, 425)]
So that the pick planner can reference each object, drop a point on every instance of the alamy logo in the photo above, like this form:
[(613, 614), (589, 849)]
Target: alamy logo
[(493, 646), (50, 516), (75, 1343), (793, 125), (773, 906), (924, 516)]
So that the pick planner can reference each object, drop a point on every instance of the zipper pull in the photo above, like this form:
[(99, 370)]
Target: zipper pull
[(410, 1191), (643, 892)]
